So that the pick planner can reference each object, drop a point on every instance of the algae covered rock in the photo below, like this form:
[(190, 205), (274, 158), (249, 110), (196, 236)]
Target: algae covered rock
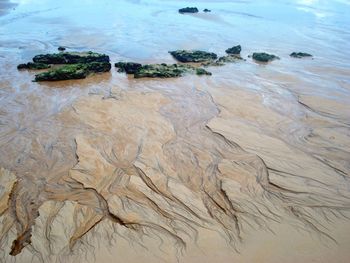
[(300, 55), (264, 57), (73, 71), (60, 48), (193, 55), (158, 70), (128, 67), (236, 50), (33, 65), (161, 71), (188, 10), (206, 10), (71, 58)]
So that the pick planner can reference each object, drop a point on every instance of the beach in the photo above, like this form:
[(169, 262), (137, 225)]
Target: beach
[(249, 164)]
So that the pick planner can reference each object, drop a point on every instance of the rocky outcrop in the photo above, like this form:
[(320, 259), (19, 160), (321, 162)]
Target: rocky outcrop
[(74, 71), (71, 58), (236, 50), (193, 56), (188, 10), (300, 55), (264, 57), (128, 67), (33, 65)]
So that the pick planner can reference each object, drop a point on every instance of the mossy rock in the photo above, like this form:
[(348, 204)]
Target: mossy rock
[(264, 57), (33, 65), (188, 10), (73, 71), (60, 48), (161, 71), (222, 61), (71, 58), (206, 10), (236, 50), (300, 55), (128, 67), (193, 55)]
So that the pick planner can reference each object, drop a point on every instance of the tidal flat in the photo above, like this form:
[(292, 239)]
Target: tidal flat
[(248, 161)]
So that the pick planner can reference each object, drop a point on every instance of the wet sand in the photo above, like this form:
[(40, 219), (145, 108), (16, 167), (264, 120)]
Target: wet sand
[(250, 164)]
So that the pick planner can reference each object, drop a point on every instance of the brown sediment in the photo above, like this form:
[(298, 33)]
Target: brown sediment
[(159, 165)]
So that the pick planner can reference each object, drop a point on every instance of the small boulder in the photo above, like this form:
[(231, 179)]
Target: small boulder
[(264, 57), (300, 55), (71, 58), (61, 48), (190, 10), (236, 50), (128, 67), (206, 10), (193, 55), (33, 65)]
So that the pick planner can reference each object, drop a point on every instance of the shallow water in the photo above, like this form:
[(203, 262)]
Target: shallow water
[(249, 165)]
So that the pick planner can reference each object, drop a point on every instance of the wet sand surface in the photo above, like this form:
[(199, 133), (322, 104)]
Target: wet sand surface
[(250, 164)]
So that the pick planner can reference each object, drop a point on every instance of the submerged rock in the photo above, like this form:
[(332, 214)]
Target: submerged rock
[(236, 50), (206, 10), (193, 55), (71, 58), (221, 61), (61, 48), (128, 67), (300, 55), (188, 10), (74, 71), (264, 57), (33, 65)]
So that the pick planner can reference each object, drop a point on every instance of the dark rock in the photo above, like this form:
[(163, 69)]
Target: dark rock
[(31, 65), (188, 10), (300, 55), (264, 57), (193, 56), (71, 58), (74, 71), (236, 50), (128, 67), (97, 67), (229, 59), (61, 48), (202, 71), (161, 71), (206, 10)]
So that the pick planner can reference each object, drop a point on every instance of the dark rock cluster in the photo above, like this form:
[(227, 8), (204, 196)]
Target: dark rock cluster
[(158, 70)]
